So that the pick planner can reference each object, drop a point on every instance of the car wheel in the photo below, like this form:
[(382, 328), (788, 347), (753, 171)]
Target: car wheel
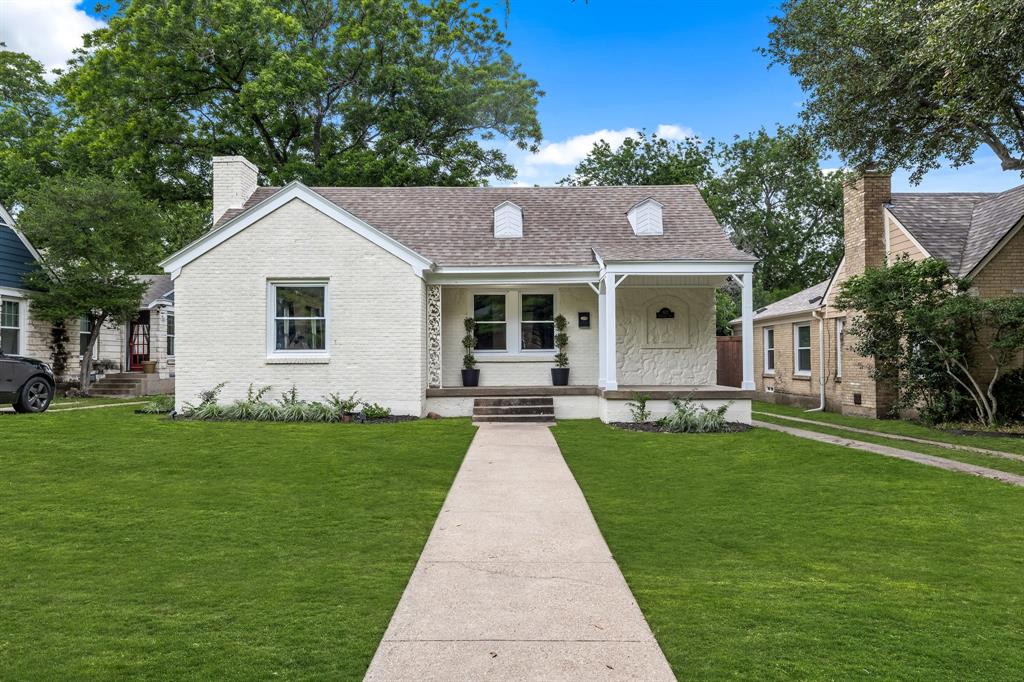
[(35, 396)]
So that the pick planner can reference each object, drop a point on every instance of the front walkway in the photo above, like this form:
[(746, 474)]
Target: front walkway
[(516, 582)]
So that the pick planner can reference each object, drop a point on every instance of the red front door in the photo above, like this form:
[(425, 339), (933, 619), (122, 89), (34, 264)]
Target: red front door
[(138, 342)]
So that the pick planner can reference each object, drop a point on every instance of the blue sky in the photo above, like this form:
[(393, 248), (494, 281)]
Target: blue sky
[(609, 67)]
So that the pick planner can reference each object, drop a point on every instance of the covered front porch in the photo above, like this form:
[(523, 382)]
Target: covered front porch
[(633, 328)]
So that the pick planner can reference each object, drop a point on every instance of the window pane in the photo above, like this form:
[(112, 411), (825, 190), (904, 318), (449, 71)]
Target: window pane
[(804, 360), (10, 314), (170, 345), (9, 341), (490, 336), (804, 337), (771, 338), (295, 301), (300, 335), (538, 335), (170, 325), (538, 307), (489, 308), (771, 359)]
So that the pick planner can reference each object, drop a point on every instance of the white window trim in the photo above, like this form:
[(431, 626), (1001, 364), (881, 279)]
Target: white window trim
[(22, 321), (297, 355), (840, 332), (514, 321), (768, 370), (797, 348), (168, 315), (95, 348)]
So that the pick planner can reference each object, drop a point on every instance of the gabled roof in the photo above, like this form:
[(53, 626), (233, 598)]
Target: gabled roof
[(160, 288), (453, 226), (17, 257), (801, 302), (960, 228)]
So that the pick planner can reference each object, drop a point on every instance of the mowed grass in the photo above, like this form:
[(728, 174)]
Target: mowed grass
[(900, 427), (136, 547), (759, 555)]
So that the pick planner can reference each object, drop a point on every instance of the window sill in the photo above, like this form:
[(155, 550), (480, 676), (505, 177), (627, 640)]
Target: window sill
[(515, 357), (801, 377), (298, 359), (768, 375)]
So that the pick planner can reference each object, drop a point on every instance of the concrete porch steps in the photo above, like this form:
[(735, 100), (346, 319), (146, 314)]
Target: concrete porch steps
[(520, 410), (117, 386)]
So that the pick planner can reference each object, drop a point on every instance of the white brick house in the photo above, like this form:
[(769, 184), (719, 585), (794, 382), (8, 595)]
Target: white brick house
[(366, 289)]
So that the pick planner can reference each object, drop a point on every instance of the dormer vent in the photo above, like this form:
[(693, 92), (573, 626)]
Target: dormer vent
[(645, 218), (508, 221)]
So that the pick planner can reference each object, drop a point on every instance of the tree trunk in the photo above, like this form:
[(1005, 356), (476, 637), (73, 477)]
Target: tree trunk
[(94, 335)]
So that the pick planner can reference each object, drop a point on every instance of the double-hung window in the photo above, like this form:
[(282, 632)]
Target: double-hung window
[(840, 339), (769, 350), (170, 335), (514, 322), (10, 327), (298, 318), (802, 349), (84, 334), (490, 313), (537, 328)]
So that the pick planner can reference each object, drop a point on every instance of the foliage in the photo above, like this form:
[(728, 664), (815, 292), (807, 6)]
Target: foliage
[(94, 236), (690, 416), (59, 347), (1009, 392), (928, 335), (161, 404), (908, 84), (644, 160), (469, 343), (28, 125), (373, 411), (207, 409), (777, 204), (726, 310), (561, 341), (250, 406), (341, 405), (638, 408)]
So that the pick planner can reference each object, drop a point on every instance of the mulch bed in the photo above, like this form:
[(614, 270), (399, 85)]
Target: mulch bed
[(654, 427)]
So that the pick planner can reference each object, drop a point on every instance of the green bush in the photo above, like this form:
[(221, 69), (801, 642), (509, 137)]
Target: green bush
[(1009, 392), (638, 408), (289, 408), (692, 417), (161, 404), (375, 411)]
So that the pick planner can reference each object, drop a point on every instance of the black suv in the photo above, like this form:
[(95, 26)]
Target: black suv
[(26, 383)]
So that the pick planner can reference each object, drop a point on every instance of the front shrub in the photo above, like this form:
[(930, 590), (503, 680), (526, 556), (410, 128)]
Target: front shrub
[(692, 417), (375, 411), (288, 408), (638, 408), (161, 404), (1009, 392)]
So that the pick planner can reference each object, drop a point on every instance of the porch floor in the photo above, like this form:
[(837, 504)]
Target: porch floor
[(706, 392)]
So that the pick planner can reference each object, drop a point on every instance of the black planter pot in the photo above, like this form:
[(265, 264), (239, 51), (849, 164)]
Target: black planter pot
[(559, 376), (470, 377)]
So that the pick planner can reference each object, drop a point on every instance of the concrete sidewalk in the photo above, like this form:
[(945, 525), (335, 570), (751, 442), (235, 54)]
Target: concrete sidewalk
[(516, 582)]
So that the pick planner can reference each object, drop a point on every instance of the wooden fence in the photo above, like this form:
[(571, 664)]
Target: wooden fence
[(730, 361)]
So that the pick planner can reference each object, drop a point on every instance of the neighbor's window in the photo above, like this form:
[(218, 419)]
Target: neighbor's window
[(769, 350), (538, 322), (802, 348), (491, 324), (170, 335), (84, 333), (300, 317), (10, 327), (840, 339)]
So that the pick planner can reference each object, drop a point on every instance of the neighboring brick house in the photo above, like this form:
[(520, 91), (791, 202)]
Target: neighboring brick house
[(342, 289), (978, 234), (121, 349)]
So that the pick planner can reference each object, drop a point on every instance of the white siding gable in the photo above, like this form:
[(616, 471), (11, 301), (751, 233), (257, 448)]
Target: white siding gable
[(508, 221), (645, 218)]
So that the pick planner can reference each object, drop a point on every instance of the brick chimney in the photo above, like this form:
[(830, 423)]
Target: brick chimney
[(864, 222), (234, 181)]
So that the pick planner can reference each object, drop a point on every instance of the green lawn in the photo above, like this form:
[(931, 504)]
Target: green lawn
[(136, 547), (759, 555), (897, 426)]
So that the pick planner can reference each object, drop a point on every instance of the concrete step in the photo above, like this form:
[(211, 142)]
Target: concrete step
[(514, 402), (514, 418), (513, 409), (118, 383), (113, 394)]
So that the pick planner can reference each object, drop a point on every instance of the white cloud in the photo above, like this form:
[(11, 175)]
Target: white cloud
[(46, 29), (556, 159)]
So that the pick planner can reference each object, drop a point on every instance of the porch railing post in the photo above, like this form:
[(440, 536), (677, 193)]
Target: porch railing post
[(611, 382), (748, 331)]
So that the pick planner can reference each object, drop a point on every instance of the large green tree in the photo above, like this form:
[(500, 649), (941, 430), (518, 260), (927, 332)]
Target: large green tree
[(643, 160), (94, 237), (908, 83)]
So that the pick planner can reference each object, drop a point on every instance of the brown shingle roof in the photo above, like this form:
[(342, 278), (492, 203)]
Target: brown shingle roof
[(801, 302), (960, 228), (454, 226)]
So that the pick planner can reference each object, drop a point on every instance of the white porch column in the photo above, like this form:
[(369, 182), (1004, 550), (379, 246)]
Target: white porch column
[(611, 381), (601, 342), (748, 331), (434, 336)]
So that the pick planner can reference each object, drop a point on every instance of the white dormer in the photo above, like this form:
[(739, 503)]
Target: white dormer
[(508, 221), (645, 218)]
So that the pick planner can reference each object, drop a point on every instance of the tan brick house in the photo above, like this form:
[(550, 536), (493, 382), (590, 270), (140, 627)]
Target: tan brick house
[(801, 353)]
